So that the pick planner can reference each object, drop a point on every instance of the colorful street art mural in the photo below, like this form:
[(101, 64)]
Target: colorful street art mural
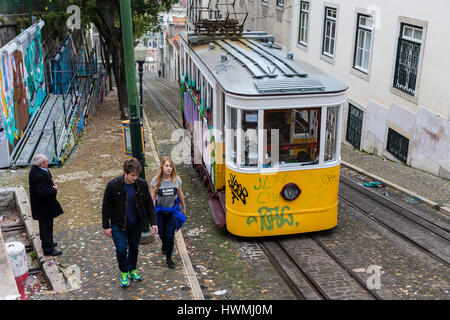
[(64, 101), (34, 77), (22, 86)]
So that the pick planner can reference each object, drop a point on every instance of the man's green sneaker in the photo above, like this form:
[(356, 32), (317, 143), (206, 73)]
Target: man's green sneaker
[(124, 279), (135, 276)]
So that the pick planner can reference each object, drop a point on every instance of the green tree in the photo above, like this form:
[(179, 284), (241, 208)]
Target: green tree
[(105, 15)]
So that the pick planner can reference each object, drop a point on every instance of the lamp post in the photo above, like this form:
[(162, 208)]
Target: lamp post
[(140, 54), (135, 125)]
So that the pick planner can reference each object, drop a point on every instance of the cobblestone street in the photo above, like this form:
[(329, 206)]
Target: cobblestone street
[(226, 267)]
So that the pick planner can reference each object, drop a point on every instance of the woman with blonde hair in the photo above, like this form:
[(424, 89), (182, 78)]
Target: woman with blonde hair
[(170, 206)]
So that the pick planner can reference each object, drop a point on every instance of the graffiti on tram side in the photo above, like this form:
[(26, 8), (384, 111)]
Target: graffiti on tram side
[(270, 218), (237, 190), (330, 179), (268, 190)]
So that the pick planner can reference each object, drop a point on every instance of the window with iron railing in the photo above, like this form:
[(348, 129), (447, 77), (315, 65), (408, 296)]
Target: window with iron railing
[(397, 145), (407, 60), (354, 126)]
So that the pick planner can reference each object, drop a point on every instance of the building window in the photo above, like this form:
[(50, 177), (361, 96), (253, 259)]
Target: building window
[(329, 33), (354, 126), (265, 1), (363, 43), (397, 145), (303, 23), (280, 3), (407, 60)]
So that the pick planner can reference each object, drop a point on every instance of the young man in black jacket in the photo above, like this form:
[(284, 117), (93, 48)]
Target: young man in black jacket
[(125, 202)]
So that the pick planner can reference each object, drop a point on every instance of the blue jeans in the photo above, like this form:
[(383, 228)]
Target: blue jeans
[(127, 246)]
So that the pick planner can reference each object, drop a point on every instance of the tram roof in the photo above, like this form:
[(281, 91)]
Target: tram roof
[(254, 67)]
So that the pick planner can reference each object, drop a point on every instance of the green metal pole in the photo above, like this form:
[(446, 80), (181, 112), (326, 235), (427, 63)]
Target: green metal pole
[(133, 105), (130, 72)]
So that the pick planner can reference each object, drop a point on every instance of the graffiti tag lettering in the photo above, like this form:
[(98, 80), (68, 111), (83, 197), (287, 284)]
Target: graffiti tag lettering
[(261, 185), (271, 217), (239, 192), (330, 179)]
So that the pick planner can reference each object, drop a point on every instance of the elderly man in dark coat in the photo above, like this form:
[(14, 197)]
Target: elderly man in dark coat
[(44, 206)]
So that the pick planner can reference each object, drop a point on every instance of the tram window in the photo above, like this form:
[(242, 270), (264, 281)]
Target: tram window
[(209, 102), (331, 134), (198, 79), (301, 121), (202, 87), (298, 141), (233, 127), (249, 126), (188, 66)]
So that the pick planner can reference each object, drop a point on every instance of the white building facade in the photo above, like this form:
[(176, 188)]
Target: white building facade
[(394, 57)]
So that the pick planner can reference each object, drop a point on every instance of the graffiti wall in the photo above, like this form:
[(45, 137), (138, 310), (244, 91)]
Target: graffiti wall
[(34, 72), (22, 86)]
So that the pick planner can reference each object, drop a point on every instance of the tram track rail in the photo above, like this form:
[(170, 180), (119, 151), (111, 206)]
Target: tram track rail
[(430, 228), (414, 217), (345, 267), (162, 103), (168, 85), (291, 270), (397, 233)]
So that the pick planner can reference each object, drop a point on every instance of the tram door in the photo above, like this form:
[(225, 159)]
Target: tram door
[(219, 125)]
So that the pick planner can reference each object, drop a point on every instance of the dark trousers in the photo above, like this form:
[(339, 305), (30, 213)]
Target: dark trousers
[(46, 234), (168, 234), (127, 246)]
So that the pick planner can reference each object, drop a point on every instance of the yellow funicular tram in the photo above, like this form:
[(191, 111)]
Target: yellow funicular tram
[(266, 132)]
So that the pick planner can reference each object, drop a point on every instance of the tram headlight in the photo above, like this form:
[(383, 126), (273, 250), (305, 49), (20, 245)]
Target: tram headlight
[(290, 191)]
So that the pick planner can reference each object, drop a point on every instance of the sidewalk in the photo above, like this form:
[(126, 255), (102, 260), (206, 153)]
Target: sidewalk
[(98, 158), (433, 190)]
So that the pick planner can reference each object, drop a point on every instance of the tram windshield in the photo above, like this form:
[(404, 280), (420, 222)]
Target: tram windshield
[(296, 132), (289, 137)]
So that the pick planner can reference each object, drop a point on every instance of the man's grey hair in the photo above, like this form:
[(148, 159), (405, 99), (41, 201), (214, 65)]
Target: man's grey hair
[(39, 159)]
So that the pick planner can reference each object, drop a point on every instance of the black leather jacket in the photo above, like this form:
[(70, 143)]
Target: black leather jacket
[(114, 208)]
